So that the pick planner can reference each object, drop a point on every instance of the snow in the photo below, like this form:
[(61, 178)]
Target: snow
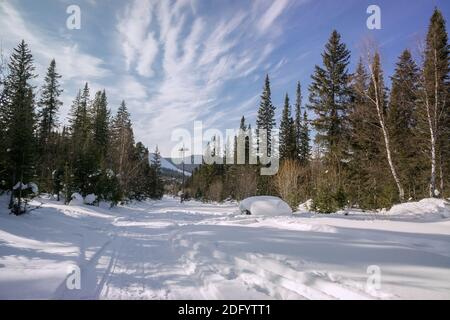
[(90, 199), (77, 199), (167, 250), (166, 164), (425, 208), (265, 206), (23, 186)]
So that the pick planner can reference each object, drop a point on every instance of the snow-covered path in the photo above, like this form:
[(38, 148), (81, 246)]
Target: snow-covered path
[(165, 250)]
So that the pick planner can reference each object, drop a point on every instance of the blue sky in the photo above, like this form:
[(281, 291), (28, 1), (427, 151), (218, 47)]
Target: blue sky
[(175, 62)]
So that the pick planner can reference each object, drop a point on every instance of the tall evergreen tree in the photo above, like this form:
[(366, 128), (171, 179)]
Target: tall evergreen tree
[(298, 117), (402, 123), (304, 149), (122, 147), (435, 96), (158, 184), (288, 145), (265, 121), (49, 105), (83, 160), (101, 121), (21, 118), (329, 97)]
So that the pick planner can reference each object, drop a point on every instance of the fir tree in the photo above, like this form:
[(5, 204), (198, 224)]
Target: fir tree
[(304, 149), (265, 121), (101, 121), (329, 97), (402, 122), (288, 145), (49, 104), (158, 184), (21, 119), (122, 147), (435, 97)]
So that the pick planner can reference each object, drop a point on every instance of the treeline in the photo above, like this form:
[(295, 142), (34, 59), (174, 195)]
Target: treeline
[(95, 154), (373, 146)]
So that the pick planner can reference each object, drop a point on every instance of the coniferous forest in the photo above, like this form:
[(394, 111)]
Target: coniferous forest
[(260, 150), (95, 154), (366, 145)]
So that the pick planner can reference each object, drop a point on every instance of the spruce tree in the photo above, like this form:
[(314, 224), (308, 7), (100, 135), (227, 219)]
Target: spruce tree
[(265, 121), (101, 121), (298, 116), (49, 105), (21, 119), (83, 160), (435, 101), (329, 97), (402, 123), (288, 145), (122, 147), (304, 149), (158, 191)]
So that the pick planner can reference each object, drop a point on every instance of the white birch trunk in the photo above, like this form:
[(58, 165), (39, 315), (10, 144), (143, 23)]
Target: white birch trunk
[(401, 192)]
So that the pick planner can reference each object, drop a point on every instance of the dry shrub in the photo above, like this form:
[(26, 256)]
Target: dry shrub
[(287, 182)]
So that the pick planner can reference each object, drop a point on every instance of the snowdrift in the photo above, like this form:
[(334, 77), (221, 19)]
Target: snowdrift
[(265, 206), (423, 208)]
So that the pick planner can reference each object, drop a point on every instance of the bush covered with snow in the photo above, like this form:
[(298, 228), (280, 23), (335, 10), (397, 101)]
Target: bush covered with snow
[(265, 206), (77, 200), (90, 199)]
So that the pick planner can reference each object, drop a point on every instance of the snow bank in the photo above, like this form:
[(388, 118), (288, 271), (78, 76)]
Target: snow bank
[(425, 207), (265, 206)]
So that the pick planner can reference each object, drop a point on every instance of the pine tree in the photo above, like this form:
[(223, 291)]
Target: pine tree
[(402, 122), (329, 97), (288, 145), (49, 104), (298, 118), (21, 119), (435, 100)]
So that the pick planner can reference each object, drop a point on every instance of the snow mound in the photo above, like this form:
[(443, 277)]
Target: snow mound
[(77, 200), (90, 199), (265, 206), (422, 208)]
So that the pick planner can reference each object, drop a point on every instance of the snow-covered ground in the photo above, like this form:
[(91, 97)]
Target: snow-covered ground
[(168, 250)]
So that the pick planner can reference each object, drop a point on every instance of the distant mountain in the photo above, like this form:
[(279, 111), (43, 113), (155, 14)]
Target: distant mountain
[(168, 165)]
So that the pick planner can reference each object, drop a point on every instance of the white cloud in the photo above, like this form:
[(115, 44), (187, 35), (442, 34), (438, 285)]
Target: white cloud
[(72, 62), (272, 13), (199, 56), (139, 45)]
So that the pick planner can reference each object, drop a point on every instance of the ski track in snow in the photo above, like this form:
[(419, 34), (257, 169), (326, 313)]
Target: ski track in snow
[(168, 250)]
